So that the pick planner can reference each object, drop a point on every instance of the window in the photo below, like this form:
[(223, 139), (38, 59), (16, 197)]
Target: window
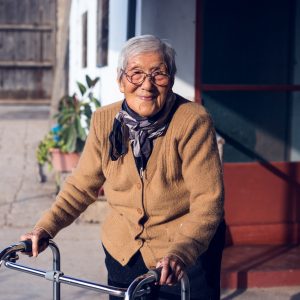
[(84, 39), (247, 79), (102, 32)]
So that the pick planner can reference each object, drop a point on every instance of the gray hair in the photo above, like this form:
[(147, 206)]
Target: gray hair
[(147, 43)]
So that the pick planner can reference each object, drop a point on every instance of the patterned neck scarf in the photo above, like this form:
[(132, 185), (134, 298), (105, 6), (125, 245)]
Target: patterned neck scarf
[(139, 130)]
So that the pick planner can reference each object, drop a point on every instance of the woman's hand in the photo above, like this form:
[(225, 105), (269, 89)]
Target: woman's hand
[(35, 236), (172, 270)]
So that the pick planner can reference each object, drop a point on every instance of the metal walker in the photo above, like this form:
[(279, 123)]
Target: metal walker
[(138, 288)]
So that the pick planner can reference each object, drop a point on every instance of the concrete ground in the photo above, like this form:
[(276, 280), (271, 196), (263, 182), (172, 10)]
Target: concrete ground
[(22, 200)]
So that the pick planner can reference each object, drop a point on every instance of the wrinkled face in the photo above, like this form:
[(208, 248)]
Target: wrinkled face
[(146, 98)]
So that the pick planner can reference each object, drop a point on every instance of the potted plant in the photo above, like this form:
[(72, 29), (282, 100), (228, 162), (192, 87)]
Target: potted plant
[(62, 145)]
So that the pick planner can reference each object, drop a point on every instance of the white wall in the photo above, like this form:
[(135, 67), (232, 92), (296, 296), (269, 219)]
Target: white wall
[(153, 17), (107, 90), (173, 20)]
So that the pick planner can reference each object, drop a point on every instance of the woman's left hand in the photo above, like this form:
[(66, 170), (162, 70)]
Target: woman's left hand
[(172, 270)]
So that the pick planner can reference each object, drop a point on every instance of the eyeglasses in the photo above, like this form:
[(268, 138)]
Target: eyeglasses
[(156, 77)]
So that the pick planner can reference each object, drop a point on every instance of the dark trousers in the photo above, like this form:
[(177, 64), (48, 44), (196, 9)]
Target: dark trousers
[(204, 275)]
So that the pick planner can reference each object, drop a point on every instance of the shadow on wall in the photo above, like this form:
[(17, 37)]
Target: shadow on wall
[(262, 203), (261, 192), (259, 121)]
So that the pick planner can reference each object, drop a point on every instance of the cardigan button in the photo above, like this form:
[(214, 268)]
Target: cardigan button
[(140, 242), (139, 186), (140, 211)]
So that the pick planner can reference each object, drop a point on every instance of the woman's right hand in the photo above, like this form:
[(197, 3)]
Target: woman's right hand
[(35, 236)]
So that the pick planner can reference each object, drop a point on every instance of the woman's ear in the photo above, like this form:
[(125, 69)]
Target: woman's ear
[(120, 84)]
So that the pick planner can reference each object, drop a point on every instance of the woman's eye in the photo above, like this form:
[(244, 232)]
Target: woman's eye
[(137, 72), (155, 73)]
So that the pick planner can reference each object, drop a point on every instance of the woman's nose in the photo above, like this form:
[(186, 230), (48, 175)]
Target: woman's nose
[(147, 84)]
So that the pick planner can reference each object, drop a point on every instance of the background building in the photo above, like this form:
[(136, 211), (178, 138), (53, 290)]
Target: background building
[(115, 21), (238, 58)]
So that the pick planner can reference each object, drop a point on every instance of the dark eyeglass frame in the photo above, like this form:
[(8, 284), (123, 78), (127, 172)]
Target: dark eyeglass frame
[(150, 75)]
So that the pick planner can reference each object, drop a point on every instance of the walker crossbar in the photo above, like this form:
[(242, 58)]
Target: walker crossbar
[(138, 288), (61, 278)]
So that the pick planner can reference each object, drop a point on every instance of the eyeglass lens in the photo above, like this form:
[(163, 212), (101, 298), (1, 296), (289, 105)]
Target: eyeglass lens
[(156, 77)]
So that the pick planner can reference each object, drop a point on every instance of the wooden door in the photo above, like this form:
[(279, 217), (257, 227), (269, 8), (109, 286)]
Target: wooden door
[(27, 50)]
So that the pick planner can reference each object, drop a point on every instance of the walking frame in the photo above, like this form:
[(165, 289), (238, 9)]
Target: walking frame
[(140, 287)]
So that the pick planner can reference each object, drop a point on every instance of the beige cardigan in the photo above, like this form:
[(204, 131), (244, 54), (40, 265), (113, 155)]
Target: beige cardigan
[(180, 194)]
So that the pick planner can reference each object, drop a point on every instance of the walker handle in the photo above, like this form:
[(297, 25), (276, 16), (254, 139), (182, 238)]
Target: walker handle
[(27, 244), (156, 273)]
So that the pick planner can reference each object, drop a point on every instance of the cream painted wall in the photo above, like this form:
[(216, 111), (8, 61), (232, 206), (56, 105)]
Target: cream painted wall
[(152, 17), (107, 90), (174, 21)]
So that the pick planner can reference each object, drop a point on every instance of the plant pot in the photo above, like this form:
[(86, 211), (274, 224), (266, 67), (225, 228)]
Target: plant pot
[(64, 162)]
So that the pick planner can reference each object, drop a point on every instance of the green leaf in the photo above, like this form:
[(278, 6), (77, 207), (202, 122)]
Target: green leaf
[(89, 81), (87, 111), (80, 130), (71, 145), (81, 87), (94, 100), (43, 150), (97, 102), (95, 81), (72, 109), (67, 118), (69, 137)]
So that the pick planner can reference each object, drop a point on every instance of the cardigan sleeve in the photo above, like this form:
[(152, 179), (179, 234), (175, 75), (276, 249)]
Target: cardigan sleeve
[(202, 175), (80, 188)]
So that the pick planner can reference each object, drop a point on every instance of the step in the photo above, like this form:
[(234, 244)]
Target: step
[(260, 266)]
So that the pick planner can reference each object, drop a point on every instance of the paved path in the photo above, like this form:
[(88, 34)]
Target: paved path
[(21, 195), (22, 200)]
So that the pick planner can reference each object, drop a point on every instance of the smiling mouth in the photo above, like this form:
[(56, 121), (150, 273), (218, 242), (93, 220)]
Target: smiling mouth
[(147, 98)]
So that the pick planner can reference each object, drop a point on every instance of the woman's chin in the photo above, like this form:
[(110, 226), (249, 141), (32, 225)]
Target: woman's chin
[(147, 109)]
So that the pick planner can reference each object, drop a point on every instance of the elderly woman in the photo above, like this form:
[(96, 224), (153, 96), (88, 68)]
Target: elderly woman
[(155, 153)]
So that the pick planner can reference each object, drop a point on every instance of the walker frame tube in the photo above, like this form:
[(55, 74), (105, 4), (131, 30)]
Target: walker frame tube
[(138, 288)]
